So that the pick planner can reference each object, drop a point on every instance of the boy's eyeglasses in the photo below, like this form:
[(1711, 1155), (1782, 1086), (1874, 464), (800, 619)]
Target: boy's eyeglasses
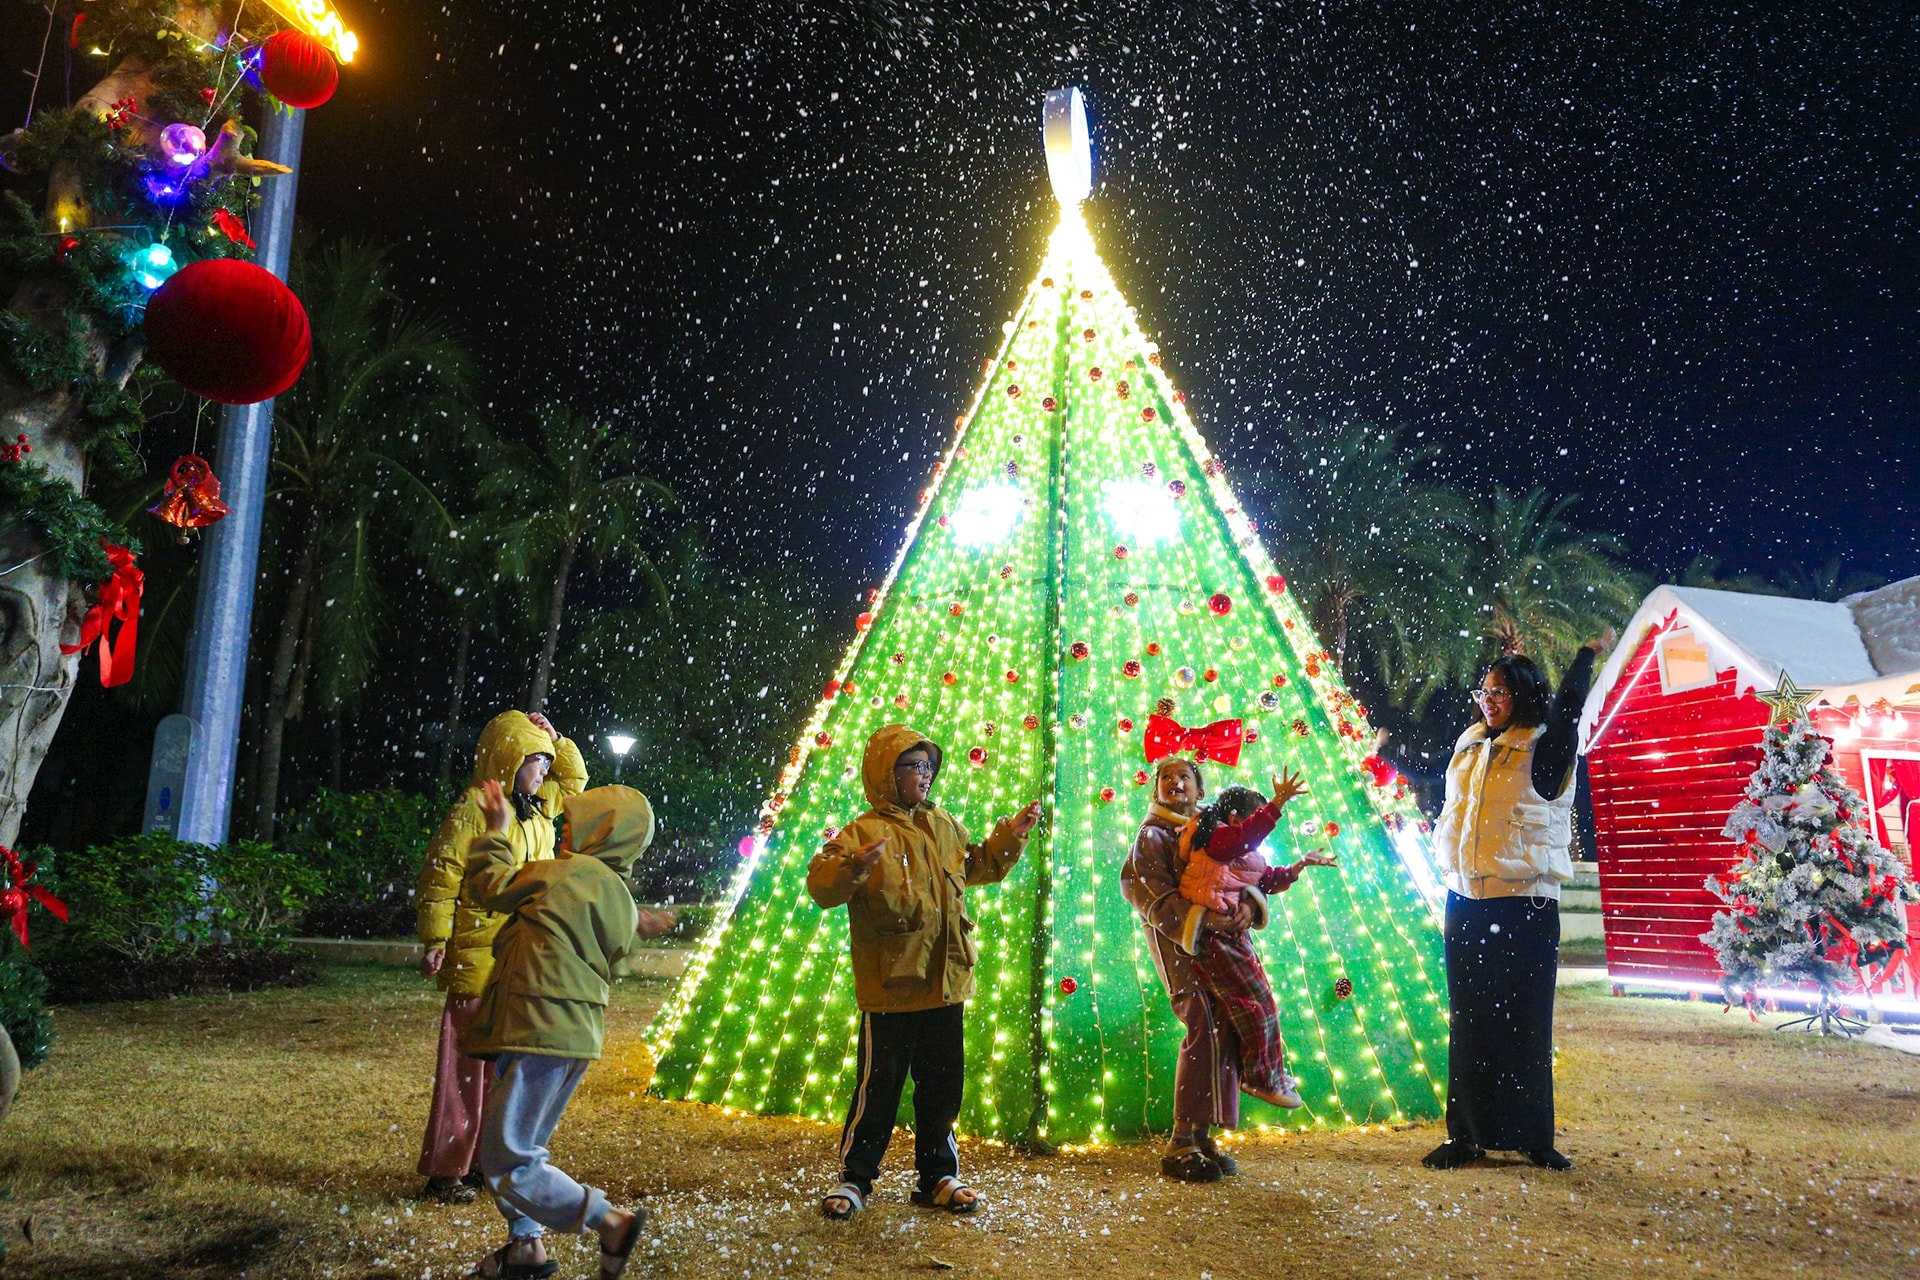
[(922, 767), (1484, 696)]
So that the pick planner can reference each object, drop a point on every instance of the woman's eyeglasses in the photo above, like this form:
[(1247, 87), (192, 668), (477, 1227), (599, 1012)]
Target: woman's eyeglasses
[(1486, 696)]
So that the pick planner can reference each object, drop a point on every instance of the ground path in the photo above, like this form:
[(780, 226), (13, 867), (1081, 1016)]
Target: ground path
[(274, 1134)]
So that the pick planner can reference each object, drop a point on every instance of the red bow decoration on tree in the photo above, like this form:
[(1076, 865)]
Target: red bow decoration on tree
[(117, 600), (1218, 741), (14, 898)]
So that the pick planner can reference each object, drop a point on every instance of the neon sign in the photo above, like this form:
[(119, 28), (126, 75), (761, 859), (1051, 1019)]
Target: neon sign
[(318, 19)]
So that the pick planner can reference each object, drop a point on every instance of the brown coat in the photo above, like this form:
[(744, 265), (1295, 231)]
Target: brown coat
[(911, 938), (1175, 928)]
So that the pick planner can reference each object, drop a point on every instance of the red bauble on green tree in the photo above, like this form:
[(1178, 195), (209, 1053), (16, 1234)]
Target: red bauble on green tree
[(229, 331), (297, 69)]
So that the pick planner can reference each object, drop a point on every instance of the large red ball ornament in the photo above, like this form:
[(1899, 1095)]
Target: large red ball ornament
[(977, 756), (1080, 650), (228, 330), (1106, 795), (1030, 721), (1131, 668), (1276, 583), (1068, 986), (1220, 604), (297, 69), (832, 690), (862, 622)]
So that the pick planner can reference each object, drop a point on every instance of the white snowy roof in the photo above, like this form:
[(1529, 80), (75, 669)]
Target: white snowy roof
[(1860, 649)]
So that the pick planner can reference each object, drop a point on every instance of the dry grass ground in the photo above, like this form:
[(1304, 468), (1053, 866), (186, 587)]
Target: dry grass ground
[(273, 1135)]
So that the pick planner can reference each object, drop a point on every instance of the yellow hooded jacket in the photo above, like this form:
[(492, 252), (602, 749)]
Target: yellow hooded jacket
[(911, 938), (446, 916), (569, 920)]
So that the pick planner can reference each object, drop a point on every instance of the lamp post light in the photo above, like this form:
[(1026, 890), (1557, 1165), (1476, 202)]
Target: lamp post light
[(619, 744)]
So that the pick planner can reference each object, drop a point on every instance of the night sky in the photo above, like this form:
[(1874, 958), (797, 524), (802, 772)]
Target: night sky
[(1662, 256)]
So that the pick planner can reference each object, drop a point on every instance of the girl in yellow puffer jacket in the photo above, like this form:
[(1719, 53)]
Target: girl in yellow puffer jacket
[(527, 755)]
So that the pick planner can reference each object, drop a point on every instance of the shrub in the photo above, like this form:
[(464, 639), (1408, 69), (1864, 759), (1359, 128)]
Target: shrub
[(139, 897), (366, 847), (147, 896)]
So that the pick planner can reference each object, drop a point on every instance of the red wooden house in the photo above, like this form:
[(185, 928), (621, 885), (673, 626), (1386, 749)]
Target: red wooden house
[(1672, 733)]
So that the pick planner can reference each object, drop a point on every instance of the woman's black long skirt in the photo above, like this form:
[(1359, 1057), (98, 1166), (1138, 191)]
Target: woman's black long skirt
[(1502, 954)]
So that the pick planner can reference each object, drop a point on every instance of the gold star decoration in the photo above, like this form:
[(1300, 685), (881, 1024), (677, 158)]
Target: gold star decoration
[(1788, 700)]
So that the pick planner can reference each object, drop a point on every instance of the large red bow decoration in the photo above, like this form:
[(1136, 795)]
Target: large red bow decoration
[(14, 898), (118, 600), (1218, 741)]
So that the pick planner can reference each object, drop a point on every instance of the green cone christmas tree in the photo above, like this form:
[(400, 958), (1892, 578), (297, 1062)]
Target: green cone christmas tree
[(1077, 559), (1814, 898)]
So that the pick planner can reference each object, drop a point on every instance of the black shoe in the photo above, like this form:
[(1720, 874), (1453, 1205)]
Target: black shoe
[(1211, 1150), (1191, 1165), (475, 1179), (1548, 1158), (448, 1191), (1452, 1155)]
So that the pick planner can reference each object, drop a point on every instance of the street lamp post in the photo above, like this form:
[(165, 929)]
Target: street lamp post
[(619, 744)]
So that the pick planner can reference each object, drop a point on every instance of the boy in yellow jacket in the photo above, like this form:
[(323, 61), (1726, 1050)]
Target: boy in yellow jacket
[(900, 868), (568, 921), (543, 768)]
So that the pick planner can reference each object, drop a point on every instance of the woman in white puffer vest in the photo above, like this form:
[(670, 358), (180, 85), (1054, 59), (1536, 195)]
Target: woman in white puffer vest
[(1504, 846)]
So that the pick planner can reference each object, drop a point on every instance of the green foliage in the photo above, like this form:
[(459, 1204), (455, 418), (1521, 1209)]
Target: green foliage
[(149, 896), (68, 526), (23, 1004), (259, 891), (363, 846)]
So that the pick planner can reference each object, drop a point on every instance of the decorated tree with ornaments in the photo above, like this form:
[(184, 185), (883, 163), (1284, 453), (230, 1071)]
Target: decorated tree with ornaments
[(125, 255), (1080, 592), (1815, 898)]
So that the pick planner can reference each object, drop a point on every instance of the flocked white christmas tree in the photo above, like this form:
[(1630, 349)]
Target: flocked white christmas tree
[(1814, 898)]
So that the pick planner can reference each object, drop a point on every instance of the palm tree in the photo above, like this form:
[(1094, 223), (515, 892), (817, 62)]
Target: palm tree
[(383, 387), (1827, 581), (577, 499), (1370, 546), (1543, 587)]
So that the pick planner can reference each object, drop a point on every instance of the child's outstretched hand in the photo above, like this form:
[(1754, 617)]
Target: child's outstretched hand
[(1027, 819), (494, 807), (866, 855), (1287, 786), (1320, 858)]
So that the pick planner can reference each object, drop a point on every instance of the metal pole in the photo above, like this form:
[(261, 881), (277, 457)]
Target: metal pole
[(223, 611)]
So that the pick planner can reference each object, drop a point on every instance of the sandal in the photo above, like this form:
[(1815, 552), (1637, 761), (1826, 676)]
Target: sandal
[(1229, 1167), (495, 1266), (852, 1197), (614, 1261), (1189, 1164), (946, 1195)]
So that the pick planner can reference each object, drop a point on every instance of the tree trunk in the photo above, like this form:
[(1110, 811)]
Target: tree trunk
[(463, 640), (543, 674), (39, 609), (280, 684), (337, 746)]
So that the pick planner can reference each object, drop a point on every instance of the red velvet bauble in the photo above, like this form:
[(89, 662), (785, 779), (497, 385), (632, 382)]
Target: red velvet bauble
[(228, 330), (1068, 986), (1220, 604), (297, 69)]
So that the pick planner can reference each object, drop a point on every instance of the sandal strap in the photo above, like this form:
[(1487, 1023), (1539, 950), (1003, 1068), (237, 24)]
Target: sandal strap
[(856, 1198), (946, 1189)]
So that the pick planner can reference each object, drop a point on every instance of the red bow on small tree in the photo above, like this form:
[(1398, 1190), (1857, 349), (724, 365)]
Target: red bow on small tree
[(116, 600), (18, 893), (1218, 741)]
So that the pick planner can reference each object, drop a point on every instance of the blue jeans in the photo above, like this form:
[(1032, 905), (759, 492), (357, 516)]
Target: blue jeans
[(529, 1093)]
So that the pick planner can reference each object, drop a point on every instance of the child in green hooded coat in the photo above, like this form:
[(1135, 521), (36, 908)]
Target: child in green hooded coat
[(542, 1017)]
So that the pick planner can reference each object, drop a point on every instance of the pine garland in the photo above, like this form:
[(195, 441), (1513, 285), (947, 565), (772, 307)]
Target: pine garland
[(68, 526), (86, 269)]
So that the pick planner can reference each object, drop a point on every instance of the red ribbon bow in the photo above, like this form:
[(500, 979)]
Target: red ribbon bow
[(1218, 741), (118, 600), (14, 899)]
